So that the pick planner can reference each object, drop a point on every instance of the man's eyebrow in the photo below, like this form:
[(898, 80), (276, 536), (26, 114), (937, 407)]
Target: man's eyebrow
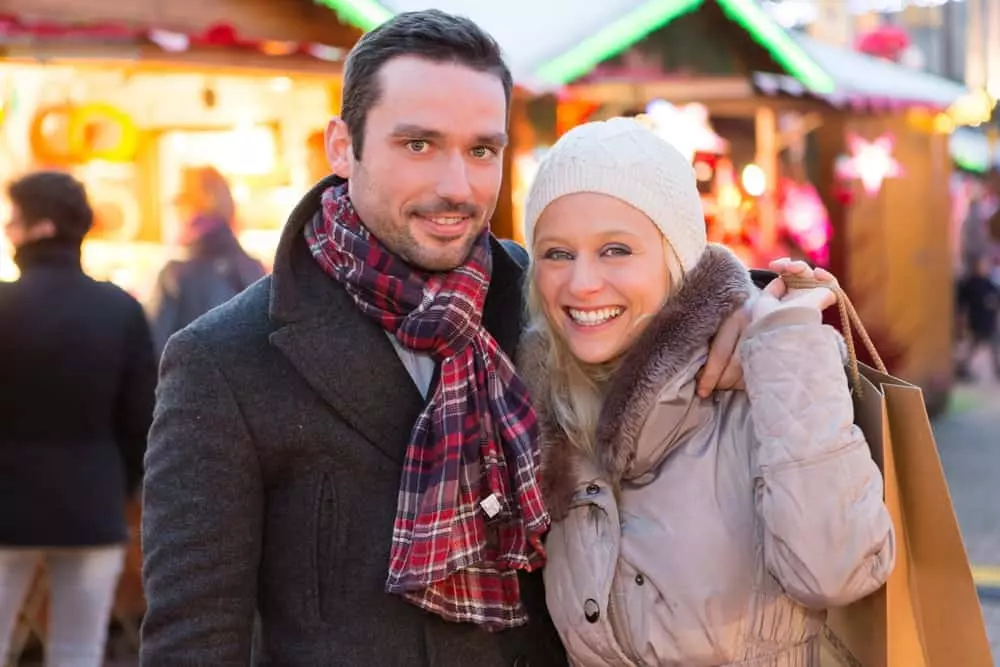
[(496, 139), (411, 131)]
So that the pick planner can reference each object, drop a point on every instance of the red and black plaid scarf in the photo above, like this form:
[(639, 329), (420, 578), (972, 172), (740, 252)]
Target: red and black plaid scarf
[(469, 512)]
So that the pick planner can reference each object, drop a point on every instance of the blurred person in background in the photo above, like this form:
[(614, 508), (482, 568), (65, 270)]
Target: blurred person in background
[(980, 231), (76, 402), (978, 302), (212, 268)]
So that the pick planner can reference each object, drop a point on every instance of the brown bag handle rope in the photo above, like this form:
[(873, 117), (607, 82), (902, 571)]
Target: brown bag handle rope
[(850, 320)]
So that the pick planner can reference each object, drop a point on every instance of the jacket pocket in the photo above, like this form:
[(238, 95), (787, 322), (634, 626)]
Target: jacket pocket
[(328, 548)]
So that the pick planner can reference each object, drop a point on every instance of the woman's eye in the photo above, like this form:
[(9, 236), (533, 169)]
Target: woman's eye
[(617, 251), (417, 146), (557, 254)]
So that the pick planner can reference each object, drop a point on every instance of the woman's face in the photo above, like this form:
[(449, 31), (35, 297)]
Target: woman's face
[(600, 272)]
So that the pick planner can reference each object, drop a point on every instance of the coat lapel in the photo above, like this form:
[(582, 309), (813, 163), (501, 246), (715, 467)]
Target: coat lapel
[(351, 364), (343, 355)]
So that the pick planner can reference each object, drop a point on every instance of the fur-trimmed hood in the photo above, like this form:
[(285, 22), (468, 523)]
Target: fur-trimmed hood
[(713, 290)]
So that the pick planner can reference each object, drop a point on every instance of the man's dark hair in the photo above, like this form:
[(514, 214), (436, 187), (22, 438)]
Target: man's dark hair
[(55, 196), (430, 34)]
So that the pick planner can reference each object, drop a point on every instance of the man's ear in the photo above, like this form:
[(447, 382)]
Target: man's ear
[(42, 229), (339, 149)]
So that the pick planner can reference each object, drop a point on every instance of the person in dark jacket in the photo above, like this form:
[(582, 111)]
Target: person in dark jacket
[(212, 268), (76, 401), (344, 447), (978, 302)]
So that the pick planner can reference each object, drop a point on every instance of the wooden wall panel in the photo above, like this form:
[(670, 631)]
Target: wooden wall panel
[(898, 260)]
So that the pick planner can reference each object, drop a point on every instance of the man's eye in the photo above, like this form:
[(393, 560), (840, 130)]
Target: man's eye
[(482, 152), (417, 146)]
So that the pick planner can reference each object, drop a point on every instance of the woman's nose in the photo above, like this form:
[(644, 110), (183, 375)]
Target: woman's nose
[(585, 278)]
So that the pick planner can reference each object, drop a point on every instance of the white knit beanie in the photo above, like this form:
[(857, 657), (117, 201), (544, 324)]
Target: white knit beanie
[(622, 158)]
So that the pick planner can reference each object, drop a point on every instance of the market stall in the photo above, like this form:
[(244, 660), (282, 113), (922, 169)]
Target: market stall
[(126, 105), (125, 96), (801, 149)]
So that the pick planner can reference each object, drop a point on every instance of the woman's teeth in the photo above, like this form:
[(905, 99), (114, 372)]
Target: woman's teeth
[(592, 318)]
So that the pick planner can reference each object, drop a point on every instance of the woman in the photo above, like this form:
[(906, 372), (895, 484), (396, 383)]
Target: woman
[(76, 401), (214, 267), (686, 531)]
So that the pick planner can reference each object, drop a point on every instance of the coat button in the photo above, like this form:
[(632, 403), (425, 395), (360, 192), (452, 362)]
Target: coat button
[(639, 579), (593, 489), (520, 661), (591, 611)]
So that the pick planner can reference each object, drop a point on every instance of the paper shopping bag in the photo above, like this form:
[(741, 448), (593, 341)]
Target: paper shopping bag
[(928, 614)]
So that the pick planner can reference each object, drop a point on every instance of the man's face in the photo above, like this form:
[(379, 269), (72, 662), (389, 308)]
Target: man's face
[(432, 160), (20, 233)]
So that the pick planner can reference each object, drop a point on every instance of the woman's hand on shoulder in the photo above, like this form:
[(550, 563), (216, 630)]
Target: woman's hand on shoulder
[(777, 296)]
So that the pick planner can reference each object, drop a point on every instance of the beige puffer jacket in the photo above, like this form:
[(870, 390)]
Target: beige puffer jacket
[(713, 532)]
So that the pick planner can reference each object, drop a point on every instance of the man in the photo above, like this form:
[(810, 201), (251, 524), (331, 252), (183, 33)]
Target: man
[(344, 447), (76, 401)]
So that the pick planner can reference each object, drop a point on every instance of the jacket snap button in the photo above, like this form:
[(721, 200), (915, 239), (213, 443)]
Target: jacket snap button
[(639, 579), (591, 611), (520, 661), (593, 489)]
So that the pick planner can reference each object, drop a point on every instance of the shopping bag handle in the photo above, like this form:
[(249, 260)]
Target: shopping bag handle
[(850, 320)]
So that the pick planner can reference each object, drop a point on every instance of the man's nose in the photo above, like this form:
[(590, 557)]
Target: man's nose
[(453, 183)]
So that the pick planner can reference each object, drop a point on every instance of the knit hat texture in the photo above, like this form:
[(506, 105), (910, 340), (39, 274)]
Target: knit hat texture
[(624, 159)]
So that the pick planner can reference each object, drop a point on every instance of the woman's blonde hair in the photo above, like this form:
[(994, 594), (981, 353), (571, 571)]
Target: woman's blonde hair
[(205, 191), (575, 390)]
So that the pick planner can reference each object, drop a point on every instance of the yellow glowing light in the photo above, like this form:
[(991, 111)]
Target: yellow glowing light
[(754, 180), (973, 109), (943, 124), (281, 84), (241, 193)]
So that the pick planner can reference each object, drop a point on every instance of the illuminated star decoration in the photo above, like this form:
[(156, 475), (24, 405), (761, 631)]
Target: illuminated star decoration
[(871, 162), (687, 127)]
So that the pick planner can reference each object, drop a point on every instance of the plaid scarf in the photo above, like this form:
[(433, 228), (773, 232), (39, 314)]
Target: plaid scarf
[(469, 511)]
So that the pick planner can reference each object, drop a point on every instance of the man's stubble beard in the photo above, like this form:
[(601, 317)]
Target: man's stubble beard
[(399, 239)]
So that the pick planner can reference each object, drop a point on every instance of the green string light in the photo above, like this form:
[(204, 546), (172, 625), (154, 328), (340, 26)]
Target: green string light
[(613, 39), (363, 14), (655, 14), (631, 28), (779, 44)]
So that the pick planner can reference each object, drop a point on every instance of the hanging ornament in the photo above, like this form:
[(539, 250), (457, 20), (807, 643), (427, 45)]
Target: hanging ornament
[(888, 42), (169, 41), (278, 48), (871, 162), (220, 34), (67, 134), (325, 52)]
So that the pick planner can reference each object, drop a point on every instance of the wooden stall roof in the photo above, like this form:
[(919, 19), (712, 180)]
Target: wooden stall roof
[(298, 36), (549, 44), (289, 20), (555, 43)]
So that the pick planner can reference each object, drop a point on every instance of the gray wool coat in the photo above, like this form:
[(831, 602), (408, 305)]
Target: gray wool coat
[(272, 475)]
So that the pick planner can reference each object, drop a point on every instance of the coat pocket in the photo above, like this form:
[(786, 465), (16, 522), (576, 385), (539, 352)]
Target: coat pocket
[(328, 548)]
